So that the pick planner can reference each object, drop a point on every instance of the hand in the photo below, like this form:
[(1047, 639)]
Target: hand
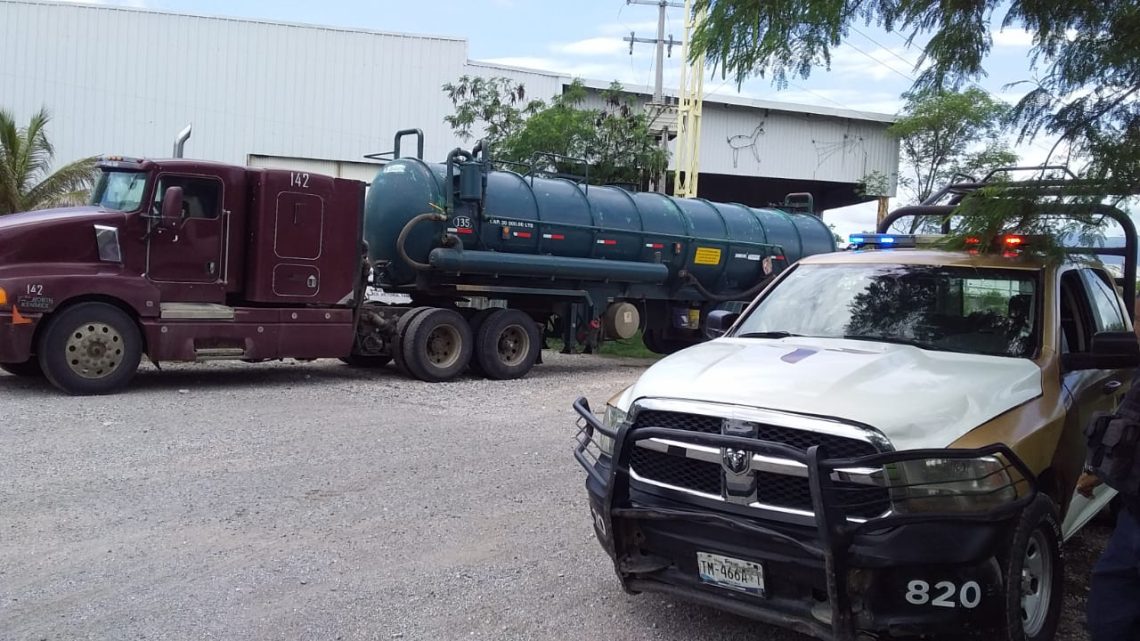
[(1087, 483)]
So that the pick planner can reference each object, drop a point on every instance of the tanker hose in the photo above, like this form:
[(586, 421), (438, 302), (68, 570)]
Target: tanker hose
[(403, 238), (720, 298)]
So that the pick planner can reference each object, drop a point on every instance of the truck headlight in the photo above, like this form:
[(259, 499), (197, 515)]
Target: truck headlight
[(613, 420), (950, 485)]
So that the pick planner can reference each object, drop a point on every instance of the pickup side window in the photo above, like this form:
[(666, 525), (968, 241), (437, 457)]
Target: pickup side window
[(201, 197), (1106, 309), (1078, 323)]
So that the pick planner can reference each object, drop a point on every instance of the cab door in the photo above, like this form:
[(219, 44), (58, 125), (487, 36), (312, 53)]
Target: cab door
[(186, 260), (1094, 307)]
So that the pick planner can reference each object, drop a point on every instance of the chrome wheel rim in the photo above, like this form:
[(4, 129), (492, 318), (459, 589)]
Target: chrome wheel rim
[(1036, 584), (514, 344), (443, 346), (94, 350)]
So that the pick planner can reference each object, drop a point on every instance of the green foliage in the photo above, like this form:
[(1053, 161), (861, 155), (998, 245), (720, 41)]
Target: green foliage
[(497, 105), (944, 133), (1086, 57), (1052, 223), (630, 348), (874, 184), (612, 144), (839, 240), (25, 161)]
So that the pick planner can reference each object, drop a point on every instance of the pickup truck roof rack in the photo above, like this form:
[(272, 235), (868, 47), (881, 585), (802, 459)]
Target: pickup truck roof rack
[(943, 203)]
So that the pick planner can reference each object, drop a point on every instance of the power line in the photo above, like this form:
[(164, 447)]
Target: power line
[(972, 84)]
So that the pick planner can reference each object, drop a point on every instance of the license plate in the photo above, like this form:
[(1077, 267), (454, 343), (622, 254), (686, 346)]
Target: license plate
[(733, 574)]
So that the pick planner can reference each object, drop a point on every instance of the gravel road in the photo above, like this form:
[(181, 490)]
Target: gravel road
[(315, 501)]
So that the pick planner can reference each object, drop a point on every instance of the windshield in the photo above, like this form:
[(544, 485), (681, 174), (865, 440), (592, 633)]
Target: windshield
[(119, 190), (955, 309)]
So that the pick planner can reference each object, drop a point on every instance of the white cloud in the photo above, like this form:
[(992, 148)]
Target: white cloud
[(647, 28), (1013, 38), (600, 46), (852, 219), (877, 64)]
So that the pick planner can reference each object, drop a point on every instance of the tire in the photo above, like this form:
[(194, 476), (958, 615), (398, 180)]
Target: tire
[(28, 369), (664, 346), (398, 343), (437, 345), (1033, 570), (507, 344), (476, 322), (366, 362), (90, 349)]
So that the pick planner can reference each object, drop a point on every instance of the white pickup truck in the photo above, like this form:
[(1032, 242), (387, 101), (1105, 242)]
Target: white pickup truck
[(884, 443)]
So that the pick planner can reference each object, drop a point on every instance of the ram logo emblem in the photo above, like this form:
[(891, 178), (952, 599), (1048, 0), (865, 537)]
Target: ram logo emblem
[(736, 461)]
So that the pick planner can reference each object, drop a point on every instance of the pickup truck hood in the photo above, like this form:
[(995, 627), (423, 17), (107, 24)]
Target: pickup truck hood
[(917, 398)]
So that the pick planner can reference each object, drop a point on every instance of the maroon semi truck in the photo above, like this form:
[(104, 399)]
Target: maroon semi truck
[(183, 261), (180, 260)]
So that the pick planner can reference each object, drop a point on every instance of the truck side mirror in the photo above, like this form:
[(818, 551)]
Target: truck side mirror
[(719, 322), (171, 213), (1109, 350)]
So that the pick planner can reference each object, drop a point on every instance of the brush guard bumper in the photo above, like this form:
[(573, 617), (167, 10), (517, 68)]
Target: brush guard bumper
[(832, 576)]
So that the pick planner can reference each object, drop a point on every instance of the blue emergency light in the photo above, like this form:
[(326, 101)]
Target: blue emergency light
[(882, 240)]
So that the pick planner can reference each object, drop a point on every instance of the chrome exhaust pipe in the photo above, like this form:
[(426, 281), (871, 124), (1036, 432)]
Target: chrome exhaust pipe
[(180, 141)]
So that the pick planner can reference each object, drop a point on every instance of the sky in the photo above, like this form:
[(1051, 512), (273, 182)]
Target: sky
[(583, 38)]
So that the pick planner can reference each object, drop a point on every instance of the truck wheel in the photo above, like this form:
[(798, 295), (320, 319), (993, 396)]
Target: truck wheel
[(1034, 570), (365, 362), (664, 346), (90, 349), (437, 345), (402, 324), (507, 344), (28, 369), (476, 322)]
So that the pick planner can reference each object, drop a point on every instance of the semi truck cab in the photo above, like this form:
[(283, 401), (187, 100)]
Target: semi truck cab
[(181, 261)]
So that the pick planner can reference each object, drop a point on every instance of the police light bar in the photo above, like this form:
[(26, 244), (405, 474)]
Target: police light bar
[(885, 241)]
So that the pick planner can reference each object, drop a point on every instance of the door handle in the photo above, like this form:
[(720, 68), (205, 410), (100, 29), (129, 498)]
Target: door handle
[(1111, 387)]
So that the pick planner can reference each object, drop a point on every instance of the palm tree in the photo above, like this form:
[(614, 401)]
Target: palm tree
[(25, 161)]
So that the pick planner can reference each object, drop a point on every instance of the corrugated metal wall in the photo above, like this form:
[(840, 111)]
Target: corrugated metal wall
[(125, 81), (780, 144), (739, 140)]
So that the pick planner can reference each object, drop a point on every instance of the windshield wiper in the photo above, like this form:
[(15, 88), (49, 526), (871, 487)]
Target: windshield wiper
[(888, 339), (777, 334)]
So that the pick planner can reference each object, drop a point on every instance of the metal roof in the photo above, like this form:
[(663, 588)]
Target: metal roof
[(278, 23)]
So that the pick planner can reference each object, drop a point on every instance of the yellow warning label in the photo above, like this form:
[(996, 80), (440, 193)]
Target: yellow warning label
[(707, 256)]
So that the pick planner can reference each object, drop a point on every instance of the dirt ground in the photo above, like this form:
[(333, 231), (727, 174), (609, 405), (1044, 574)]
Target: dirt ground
[(316, 501)]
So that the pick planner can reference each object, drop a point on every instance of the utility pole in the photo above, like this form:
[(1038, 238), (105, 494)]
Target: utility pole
[(659, 87)]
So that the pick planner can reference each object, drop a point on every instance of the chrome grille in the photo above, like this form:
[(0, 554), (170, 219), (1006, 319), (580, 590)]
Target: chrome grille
[(701, 472)]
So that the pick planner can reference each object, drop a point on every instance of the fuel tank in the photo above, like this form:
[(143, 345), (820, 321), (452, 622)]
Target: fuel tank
[(605, 233)]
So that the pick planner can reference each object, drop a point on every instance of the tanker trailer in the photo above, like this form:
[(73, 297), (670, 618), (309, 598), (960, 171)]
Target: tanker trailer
[(566, 257)]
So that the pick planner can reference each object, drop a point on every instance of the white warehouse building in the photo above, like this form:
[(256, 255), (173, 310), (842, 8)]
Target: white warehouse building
[(253, 100)]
